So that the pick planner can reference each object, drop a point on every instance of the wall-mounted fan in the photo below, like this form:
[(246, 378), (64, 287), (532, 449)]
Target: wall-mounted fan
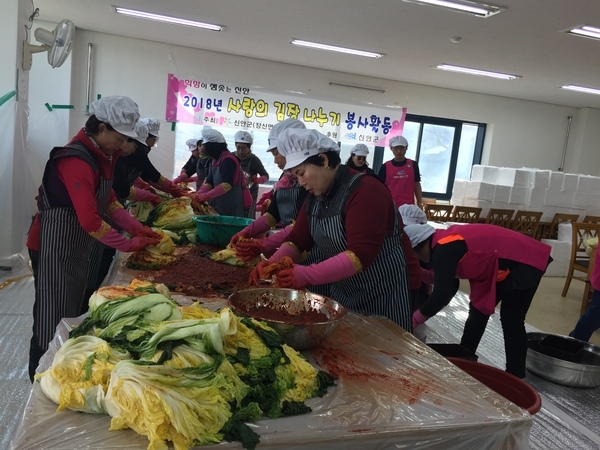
[(57, 43)]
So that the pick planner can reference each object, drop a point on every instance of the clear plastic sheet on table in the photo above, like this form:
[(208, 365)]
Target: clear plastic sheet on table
[(392, 392)]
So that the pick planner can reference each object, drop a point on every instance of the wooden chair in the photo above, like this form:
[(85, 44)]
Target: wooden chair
[(588, 290), (466, 214), (551, 232), (438, 213), (527, 222), (428, 201), (591, 219), (580, 260), (500, 217)]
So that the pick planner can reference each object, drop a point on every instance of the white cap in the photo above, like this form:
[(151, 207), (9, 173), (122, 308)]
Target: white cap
[(153, 125), (141, 132), (121, 113), (360, 150), (244, 137), (297, 145), (210, 135), (279, 127), (398, 141), (412, 214), (418, 232), (192, 144)]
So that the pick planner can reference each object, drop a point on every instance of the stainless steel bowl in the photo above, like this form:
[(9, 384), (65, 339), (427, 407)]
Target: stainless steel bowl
[(293, 308), (563, 359)]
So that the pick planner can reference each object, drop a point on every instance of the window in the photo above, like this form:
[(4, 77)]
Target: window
[(445, 149)]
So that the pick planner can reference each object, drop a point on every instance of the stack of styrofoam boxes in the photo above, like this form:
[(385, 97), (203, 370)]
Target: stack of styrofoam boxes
[(587, 196)]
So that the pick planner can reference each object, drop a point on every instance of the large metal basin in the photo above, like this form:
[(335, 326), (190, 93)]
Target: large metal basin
[(563, 359), (296, 312)]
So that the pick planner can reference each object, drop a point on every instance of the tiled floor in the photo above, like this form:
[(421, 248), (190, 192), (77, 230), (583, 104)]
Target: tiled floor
[(549, 312)]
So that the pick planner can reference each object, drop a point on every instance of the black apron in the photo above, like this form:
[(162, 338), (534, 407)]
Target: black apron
[(382, 288), (231, 203), (287, 204), (69, 256)]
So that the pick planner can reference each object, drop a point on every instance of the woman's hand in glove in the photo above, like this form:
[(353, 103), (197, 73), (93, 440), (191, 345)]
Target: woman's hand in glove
[(255, 274), (249, 249)]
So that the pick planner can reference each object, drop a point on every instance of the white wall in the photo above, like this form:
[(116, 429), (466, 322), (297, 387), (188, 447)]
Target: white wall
[(520, 133)]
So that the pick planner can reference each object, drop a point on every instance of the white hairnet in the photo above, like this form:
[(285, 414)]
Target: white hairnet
[(243, 137), (360, 150), (153, 125), (279, 127), (418, 232), (398, 141), (119, 112), (192, 144), (297, 145), (412, 214), (141, 132), (210, 135)]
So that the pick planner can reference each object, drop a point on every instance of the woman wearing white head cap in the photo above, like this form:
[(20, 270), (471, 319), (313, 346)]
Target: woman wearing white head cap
[(139, 164), (358, 159), (188, 171), (75, 190), (251, 165), (225, 185), (361, 262), (502, 266), (284, 203)]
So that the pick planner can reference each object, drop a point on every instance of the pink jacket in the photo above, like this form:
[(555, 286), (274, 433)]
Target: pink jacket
[(486, 245)]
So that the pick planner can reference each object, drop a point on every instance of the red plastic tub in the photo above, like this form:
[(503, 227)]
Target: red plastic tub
[(503, 383)]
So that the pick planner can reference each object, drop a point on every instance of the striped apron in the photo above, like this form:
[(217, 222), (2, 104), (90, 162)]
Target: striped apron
[(68, 258), (230, 203), (382, 288), (287, 204)]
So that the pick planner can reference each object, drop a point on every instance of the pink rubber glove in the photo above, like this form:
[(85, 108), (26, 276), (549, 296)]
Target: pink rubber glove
[(334, 269), (259, 226), (213, 193), (262, 179), (204, 188), (284, 250), (192, 179), (263, 203), (168, 186), (181, 178), (123, 219), (141, 184), (115, 240), (247, 250), (142, 195), (418, 318), (274, 241)]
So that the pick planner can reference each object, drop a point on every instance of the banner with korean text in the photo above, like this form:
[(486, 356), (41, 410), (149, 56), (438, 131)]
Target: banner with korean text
[(219, 104)]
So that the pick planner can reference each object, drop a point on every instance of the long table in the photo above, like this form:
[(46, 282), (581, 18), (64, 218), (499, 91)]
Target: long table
[(392, 392)]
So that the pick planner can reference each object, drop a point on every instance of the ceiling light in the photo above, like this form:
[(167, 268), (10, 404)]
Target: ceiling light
[(477, 9), (334, 48), (483, 73), (586, 31), (167, 19), (587, 90)]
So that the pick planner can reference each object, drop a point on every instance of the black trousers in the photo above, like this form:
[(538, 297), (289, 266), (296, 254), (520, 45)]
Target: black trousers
[(35, 352), (513, 310)]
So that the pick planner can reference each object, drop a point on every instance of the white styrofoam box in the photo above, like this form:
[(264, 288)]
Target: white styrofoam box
[(561, 250), (588, 184), (558, 198), (487, 174), (584, 200), (557, 269), (459, 188), (570, 182), (508, 176), (548, 213), (518, 195), (502, 194), (480, 190), (540, 179), (565, 232), (536, 198), (556, 181)]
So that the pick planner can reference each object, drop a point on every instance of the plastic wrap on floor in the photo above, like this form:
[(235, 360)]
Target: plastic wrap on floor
[(392, 392), (579, 404)]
